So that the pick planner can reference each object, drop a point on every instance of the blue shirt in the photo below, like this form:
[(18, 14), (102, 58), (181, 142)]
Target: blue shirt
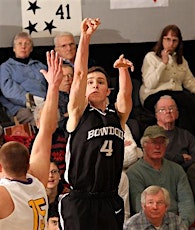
[(17, 79)]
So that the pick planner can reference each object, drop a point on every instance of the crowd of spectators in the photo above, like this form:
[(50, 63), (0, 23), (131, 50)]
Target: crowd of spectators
[(157, 183)]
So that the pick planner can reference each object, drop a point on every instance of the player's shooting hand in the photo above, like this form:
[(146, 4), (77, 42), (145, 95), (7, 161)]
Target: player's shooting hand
[(123, 62), (90, 25)]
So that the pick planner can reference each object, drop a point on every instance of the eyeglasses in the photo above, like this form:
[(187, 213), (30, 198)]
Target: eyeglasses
[(157, 142), (158, 203), (23, 44), (65, 46), (167, 39), (54, 171), (170, 109), (69, 75)]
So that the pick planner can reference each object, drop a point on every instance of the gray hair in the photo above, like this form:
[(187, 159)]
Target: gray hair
[(143, 140), (164, 97), (37, 112), (59, 35), (22, 35), (153, 190)]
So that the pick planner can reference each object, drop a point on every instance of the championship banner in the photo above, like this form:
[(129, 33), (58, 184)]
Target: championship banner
[(122, 4), (46, 18)]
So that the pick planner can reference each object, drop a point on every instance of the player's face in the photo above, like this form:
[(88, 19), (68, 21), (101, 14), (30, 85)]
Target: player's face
[(67, 79), (155, 207), (22, 47), (54, 176), (53, 223), (66, 47), (97, 87)]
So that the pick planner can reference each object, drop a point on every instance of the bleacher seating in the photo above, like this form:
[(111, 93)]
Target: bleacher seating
[(105, 55)]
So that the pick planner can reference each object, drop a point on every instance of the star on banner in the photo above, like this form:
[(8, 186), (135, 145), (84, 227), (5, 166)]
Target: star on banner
[(31, 27), (49, 26), (33, 6), (51, 17)]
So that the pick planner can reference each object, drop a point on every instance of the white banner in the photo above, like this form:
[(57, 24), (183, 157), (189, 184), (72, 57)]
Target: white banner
[(46, 18), (122, 4)]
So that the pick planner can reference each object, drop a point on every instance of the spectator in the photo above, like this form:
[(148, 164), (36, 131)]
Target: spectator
[(65, 86), (123, 191), (181, 147), (155, 202), (94, 166), (132, 152), (58, 147), (154, 169), (53, 217), (54, 185), (166, 72), (65, 45), (23, 194), (131, 155), (21, 79)]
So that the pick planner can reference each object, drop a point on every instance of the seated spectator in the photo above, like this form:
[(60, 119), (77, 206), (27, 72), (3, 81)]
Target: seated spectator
[(123, 192), (181, 146), (65, 45), (155, 202), (154, 169), (20, 79), (53, 217), (132, 152), (23, 199), (58, 148), (166, 72), (64, 94), (54, 187)]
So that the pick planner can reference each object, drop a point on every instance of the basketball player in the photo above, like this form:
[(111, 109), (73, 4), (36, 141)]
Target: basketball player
[(94, 155), (23, 199)]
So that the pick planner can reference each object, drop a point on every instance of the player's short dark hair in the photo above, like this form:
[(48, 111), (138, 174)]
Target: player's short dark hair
[(101, 70), (53, 210)]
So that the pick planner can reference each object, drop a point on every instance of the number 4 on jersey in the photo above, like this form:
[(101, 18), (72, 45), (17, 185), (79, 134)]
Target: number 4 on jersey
[(107, 148)]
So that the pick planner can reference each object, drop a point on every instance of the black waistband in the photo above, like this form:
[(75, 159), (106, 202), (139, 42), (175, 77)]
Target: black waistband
[(91, 195)]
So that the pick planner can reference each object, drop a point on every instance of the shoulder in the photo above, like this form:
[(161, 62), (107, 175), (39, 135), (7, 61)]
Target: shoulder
[(5, 198), (8, 62), (174, 220), (171, 215), (173, 166), (135, 168), (150, 54), (186, 133), (37, 62), (135, 222), (184, 60), (182, 133)]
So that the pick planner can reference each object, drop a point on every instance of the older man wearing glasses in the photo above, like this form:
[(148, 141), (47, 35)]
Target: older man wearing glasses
[(155, 201), (154, 169), (181, 147)]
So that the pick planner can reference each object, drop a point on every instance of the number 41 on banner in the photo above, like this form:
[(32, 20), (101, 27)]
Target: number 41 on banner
[(46, 18)]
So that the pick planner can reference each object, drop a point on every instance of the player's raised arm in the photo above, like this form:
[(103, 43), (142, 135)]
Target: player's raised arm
[(41, 150), (77, 100), (124, 96)]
